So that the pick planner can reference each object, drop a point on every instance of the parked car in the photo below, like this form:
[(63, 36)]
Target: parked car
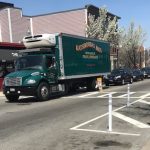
[(137, 74), (119, 76), (146, 72)]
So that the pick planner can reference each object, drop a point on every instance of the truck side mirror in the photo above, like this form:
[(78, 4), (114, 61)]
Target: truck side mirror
[(53, 62)]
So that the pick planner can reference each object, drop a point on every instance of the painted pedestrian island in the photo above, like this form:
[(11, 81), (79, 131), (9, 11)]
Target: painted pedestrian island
[(126, 120)]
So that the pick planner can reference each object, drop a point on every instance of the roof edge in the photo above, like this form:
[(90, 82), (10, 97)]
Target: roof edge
[(65, 11)]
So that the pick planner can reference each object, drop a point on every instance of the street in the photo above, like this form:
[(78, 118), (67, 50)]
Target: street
[(78, 121)]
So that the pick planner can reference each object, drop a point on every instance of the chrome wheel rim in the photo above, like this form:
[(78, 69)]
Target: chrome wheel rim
[(44, 91)]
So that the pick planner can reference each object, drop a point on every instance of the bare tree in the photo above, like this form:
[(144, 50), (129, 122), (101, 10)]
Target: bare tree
[(131, 40), (128, 41)]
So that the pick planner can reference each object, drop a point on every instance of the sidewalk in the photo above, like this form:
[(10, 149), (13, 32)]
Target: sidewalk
[(146, 146)]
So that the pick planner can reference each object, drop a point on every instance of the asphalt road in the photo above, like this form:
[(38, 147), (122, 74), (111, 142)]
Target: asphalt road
[(78, 121)]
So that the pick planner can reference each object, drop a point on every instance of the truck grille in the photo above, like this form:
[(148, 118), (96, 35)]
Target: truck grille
[(13, 81)]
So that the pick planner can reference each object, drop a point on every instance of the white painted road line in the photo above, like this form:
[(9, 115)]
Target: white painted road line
[(92, 93), (125, 95), (145, 102), (106, 94), (107, 132), (94, 119), (130, 120), (145, 95)]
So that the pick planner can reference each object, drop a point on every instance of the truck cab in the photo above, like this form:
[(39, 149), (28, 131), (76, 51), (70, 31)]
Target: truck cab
[(35, 73)]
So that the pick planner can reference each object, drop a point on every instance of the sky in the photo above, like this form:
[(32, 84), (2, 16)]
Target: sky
[(137, 11)]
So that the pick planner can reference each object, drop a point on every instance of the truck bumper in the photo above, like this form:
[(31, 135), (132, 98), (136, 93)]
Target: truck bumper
[(22, 91)]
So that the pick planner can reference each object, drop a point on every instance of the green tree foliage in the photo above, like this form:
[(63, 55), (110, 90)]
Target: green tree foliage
[(103, 27)]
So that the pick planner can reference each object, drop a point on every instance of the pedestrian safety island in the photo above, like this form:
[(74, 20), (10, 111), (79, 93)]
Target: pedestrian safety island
[(128, 106)]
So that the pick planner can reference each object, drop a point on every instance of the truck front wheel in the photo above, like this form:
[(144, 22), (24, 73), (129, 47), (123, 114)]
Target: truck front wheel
[(12, 98), (43, 91)]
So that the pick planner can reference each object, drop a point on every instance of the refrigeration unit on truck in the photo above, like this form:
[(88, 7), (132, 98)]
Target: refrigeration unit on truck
[(56, 63)]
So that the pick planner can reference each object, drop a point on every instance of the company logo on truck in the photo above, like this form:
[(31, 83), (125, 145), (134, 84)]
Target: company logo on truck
[(88, 45)]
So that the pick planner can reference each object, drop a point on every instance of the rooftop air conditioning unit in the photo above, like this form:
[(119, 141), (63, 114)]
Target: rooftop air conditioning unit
[(42, 40)]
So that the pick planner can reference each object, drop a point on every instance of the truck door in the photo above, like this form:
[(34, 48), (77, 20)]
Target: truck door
[(51, 69)]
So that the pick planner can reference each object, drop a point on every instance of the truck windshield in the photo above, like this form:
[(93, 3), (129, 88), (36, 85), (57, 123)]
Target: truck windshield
[(29, 62)]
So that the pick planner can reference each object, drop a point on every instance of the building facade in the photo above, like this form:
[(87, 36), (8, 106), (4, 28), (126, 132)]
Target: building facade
[(14, 25)]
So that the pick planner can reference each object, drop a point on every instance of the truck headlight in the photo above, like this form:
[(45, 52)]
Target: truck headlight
[(35, 74), (31, 81)]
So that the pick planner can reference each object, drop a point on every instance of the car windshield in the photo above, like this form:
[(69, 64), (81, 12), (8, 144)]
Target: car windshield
[(29, 62), (117, 72), (136, 71), (146, 69)]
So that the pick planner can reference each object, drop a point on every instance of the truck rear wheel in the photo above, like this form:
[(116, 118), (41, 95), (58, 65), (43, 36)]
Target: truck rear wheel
[(66, 89), (91, 85), (12, 97), (43, 91)]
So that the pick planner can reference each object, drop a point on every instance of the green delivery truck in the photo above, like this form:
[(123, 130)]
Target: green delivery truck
[(56, 63)]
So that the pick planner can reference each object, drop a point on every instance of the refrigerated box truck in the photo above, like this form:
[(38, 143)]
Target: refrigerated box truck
[(57, 63)]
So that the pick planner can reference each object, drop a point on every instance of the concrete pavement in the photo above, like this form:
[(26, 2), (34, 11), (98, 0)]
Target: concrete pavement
[(146, 146)]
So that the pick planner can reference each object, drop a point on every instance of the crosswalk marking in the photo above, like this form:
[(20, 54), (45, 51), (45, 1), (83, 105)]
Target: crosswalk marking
[(88, 94), (118, 115), (124, 95), (107, 94), (130, 120), (116, 95)]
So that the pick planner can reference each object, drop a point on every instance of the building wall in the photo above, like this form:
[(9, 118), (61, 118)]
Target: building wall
[(20, 25), (14, 27), (72, 22), (4, 26)]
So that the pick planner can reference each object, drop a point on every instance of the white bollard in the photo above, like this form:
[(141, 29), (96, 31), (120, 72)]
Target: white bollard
[(128, 94), (110, 113)]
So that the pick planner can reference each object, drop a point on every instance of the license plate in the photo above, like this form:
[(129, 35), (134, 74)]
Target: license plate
[(12, 90)]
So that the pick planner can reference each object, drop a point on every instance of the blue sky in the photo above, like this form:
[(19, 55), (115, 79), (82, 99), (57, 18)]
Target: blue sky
[(129, 10)]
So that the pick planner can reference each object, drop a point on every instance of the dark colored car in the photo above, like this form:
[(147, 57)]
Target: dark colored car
[(119, 76), (146, 72), (137, 74)]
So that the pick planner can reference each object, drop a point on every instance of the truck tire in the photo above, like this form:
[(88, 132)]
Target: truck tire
[(67, 88), (43, 91), (91, 85), (107, 84), (12, 97)]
